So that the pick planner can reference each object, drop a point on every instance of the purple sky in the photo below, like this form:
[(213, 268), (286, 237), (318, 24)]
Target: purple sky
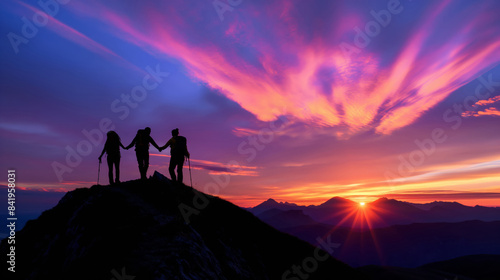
[(311, 99)]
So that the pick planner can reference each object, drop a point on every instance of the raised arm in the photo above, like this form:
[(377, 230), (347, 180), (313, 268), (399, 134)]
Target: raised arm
[(169, 142), (154, 143), (121, 145)]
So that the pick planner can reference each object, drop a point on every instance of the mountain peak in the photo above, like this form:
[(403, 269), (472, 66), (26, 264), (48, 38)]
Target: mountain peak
[(156, 230), (271, 201), (389, 201), (336, 201), (382, 199)]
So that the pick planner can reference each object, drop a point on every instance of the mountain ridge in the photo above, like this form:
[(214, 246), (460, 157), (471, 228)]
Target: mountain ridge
[(137, 226), (426, 205), (383, 212)]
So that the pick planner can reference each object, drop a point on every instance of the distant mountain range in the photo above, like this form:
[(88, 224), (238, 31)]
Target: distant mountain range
[(380, 213), (388, 231)]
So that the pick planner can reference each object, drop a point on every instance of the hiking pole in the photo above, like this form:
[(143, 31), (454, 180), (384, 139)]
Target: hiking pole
[(190, 177), (98, 172)]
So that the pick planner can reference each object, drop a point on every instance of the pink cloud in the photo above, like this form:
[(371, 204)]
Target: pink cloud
[(49, 189), (217, 168), (266, 63)]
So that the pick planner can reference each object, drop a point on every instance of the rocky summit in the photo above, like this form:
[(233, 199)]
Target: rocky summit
[(152, 229)]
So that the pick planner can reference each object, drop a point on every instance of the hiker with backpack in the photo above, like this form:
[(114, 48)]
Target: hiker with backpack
[(178, 150), (141, 142), (112, 149)]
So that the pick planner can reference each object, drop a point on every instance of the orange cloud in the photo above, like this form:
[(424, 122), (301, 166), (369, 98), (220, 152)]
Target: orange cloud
[(486, 102), (491, 111), (267, 69)]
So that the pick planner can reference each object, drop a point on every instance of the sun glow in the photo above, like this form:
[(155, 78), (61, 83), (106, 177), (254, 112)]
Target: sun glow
[(362, 204)]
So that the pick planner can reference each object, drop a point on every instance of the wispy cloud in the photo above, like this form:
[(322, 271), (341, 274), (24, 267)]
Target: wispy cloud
[(217, 168), (456, 172), (77, 37), (443, 195), (310, 75), (26, 128), (70, 33)]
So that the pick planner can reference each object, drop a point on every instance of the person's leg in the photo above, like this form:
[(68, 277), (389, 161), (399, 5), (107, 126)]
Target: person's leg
[(110, 169), (146, 164), (117, 169), (180, 163), (140, 162), (171, 169)]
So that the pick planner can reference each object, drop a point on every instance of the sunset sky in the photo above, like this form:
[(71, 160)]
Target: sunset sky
[(295, 100)]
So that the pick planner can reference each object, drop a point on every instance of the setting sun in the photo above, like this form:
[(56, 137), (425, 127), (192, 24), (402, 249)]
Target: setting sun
[(361, 204)]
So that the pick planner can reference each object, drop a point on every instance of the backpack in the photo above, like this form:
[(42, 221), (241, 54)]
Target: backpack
[(179, 147), (142, 140)]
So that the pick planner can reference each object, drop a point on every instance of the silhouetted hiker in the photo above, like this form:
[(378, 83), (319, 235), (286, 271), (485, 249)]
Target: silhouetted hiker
[(178, 149), (141, 142), (112, 149)]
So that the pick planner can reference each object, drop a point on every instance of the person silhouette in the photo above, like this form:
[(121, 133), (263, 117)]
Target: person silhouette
[(112, 149), (178, 149), (141, 142)]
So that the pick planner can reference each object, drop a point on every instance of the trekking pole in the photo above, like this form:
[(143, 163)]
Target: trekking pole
[(190, 177), (98, 172)]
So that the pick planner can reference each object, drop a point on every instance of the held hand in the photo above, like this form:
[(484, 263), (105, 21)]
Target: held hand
[(188, 155)]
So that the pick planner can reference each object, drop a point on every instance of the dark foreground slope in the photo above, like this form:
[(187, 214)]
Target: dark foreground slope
[(407, 245), (474, 267), (136, 228)]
